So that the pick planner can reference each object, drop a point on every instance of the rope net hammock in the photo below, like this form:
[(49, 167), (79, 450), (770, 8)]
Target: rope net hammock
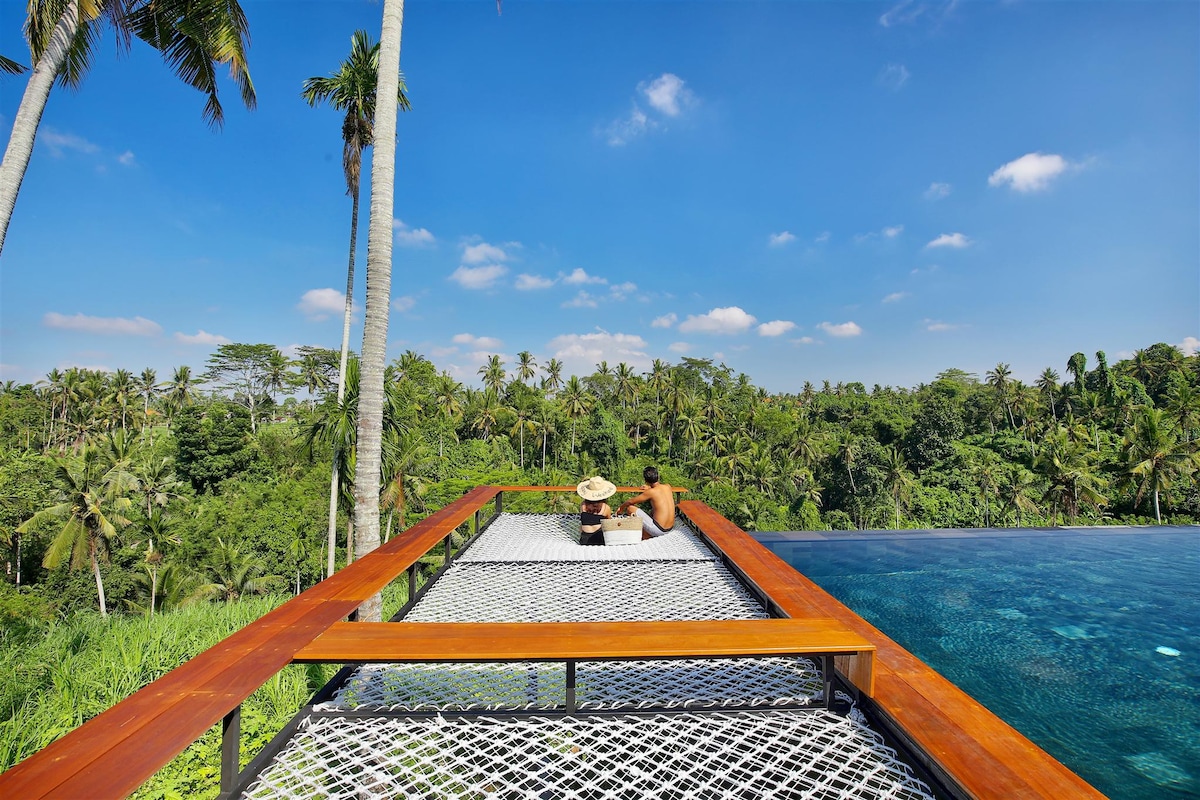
[(426, 730)]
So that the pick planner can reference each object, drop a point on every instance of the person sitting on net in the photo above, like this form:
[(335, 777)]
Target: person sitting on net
[(594, 492), (662, 500)]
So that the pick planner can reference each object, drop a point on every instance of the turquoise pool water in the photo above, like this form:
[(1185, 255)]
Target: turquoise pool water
[(1088, 642)]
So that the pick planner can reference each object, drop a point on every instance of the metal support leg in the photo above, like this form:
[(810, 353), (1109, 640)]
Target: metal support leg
[(827, 680), (449, 546), (412, 582), (478, 517), (231, 730), (570, 687), (499, 503)]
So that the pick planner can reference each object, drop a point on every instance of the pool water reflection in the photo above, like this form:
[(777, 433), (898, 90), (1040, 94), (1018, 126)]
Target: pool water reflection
[(1088, 642)]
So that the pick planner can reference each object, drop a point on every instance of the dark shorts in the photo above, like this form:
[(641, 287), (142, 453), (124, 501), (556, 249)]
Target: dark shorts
[(591, 538)]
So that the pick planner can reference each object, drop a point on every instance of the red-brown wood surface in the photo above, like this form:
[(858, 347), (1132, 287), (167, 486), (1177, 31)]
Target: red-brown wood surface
[(984, 755), (546, 641), (114, 753)]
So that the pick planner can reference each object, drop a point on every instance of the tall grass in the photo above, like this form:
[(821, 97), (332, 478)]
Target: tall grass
[(59, 674)]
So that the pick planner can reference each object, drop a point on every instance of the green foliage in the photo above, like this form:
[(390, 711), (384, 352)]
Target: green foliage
[(213, 444)]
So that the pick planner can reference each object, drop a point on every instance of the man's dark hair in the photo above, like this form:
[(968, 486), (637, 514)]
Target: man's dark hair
[(650, 474)]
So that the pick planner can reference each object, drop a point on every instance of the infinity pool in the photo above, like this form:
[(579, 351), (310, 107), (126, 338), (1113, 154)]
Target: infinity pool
[(1088, 642)]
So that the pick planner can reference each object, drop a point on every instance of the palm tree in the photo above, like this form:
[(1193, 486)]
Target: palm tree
[(1048, 383), (234, 573), (1066, 464), (526, 366), (335, 424), (446, 393), (493, 373), (352, 90), (181, 391), (1077, 366), (379, 298), (93, 502), (896, 477), (147, 386), (1014, 491), (998, 379), (553, 369), (120, 391), (524, 422), (192, 37), (576, 402), (406, 463), (626, 383), (1153, 457)]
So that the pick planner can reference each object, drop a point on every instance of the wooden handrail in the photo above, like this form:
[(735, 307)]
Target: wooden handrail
[(571, 489), (970, 746), (385, 642)]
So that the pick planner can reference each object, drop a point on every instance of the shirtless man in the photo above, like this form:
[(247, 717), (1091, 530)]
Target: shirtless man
[(662, 500)]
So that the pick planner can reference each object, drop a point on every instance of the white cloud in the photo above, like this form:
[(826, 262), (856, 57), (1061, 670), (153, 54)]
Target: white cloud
[(1031, 172), (720, 320), (679, 347), (780, 239), (587, 349), (956, 240), (1190, 345), (579, 276), (776, 327), (482, 253), (937, 326), (804, 340), (477, 342), (907, 12), (478, 277), (119, 326), (893, 76), (893, 231), (581, 300), (526, 282), (320, 304), (625, 129), (823, 237), (665, 321), (841, 329), (894, 296), (442, 352), (619, 291), (59, 143), (667, 94), (411, 237), (404, 303), (201, 337), (936, 191), (126, 159)]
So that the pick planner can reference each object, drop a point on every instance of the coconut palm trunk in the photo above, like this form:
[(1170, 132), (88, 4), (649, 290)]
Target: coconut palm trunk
[(379, 286), (29, 113)]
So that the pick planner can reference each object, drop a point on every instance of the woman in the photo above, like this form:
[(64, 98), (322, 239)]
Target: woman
[(594, 492)]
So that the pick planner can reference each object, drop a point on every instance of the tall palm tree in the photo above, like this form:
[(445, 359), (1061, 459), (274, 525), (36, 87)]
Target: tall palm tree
[(493, 373), (446, 392), (147, 386), (1154, 459), (1014, 491), (553, 369), (998, 379), (1048, 383), (379, 298), (526, 366), (93, 502), (576, 402), (524, 422), (193, 37), (406, 465), (896, 477), (181, 390), (626, 384)]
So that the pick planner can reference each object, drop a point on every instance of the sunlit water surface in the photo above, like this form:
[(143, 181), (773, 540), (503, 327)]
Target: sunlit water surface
[(1088, 642)]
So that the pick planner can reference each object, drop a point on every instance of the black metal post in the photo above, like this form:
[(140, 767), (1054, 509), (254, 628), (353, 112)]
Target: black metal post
[(231, 731), (499, 503), (570, 687), (412, 580)]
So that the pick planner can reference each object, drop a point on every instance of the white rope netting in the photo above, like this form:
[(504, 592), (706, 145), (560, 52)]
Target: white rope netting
[(751, 755), (611, 591), (599, 685), (555, 537)]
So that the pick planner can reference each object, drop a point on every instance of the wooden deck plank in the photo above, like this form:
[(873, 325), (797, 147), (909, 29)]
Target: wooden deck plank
[(985, 756), (557, 641)]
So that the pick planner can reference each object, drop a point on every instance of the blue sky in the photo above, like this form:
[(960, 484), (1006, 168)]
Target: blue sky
[(803, 190)]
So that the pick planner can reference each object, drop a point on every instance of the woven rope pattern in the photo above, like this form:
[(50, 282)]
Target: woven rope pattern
[(715, 755), (555, 537), (612, 591), (692, 683)]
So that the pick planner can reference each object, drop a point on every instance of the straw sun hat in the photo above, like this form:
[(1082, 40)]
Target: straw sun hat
[(596, 489)]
